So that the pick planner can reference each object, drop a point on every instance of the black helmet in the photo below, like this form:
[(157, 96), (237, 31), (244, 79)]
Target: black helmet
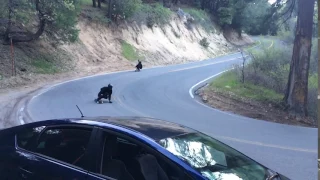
[(110, 85)]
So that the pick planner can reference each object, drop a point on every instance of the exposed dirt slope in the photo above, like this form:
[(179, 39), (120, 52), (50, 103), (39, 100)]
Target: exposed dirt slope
[(99, 50)]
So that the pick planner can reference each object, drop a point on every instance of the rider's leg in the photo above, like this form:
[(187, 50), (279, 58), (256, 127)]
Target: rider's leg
[(109, 97), (100, 96)]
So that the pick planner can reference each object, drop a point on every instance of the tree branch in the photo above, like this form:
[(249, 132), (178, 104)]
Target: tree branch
[(18, 36)]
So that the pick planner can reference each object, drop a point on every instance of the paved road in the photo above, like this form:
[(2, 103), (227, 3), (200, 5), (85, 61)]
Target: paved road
[(164, 93)]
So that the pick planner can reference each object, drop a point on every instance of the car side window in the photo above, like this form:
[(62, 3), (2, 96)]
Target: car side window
[(27, 138), (125, 159), (65, 144)]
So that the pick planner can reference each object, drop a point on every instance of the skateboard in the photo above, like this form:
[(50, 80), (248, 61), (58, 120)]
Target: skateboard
[(101, 101)]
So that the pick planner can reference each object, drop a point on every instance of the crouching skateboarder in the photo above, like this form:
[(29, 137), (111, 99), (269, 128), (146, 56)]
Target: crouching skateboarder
[(105, 93)]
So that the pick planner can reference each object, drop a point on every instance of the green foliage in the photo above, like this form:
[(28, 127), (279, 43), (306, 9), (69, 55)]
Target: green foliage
[(313, 81), (229, 82), (3, 14), (44, 67), (314, 57), (151, 21), (65, 21), (198, 14), (96, 15), (201, 17), (85, 2), (269, 68), (312, 95), (3, 9), (128, 51), (60, 17), (152, 14), (286, 36), (197, 3), (204, 42), (225, 16), (254, 16), (123, 9)]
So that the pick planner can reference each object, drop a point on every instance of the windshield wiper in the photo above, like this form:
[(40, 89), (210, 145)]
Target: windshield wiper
[(213, 168), (273, 176)]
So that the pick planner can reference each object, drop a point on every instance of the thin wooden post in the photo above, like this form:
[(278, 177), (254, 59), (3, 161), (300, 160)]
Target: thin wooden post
[(12, 58)]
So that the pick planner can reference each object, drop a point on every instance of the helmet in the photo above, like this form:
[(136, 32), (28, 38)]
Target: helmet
[(110, 85)]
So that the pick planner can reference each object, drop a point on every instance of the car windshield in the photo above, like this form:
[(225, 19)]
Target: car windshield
[(212, 158)]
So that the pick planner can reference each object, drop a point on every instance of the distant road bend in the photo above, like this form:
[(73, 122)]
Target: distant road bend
[(164, 92)]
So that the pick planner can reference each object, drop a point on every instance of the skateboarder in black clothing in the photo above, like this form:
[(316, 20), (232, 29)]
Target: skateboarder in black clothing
[(139, 66), (105, 92)]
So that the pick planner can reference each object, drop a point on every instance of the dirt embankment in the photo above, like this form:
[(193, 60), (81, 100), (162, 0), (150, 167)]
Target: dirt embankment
[(99, 50), (250, 108)]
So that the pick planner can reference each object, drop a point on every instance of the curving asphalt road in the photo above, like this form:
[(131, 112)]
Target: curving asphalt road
[(163, 92)]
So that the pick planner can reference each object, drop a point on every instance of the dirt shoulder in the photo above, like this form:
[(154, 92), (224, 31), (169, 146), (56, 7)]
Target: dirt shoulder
[(249, 108)]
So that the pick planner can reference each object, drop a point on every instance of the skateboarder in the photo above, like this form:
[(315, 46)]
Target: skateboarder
[(105, 92), (139, 66)]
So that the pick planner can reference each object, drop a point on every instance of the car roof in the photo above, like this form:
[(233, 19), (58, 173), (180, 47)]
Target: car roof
[(153, 128)]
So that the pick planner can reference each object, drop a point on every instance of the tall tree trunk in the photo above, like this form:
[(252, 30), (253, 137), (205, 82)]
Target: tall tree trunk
[(94, 4), (296, 95), (99, 3)]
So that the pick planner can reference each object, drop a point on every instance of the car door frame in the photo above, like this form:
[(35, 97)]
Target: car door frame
[(124, 134), (84, 170)]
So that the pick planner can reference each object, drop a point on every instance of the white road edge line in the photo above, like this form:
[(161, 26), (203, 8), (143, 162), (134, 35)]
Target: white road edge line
[(191, 89)]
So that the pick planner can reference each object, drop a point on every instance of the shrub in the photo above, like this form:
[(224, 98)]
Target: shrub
[(286, 36), (314, 57), (225, 16), (151, 21), (152, 14), (312, 95), (269, 68), (200, 17), (204, 42), (128, 51), (123, 9)]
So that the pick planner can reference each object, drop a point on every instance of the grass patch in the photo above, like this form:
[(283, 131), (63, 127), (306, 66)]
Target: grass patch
[(230, 82), (313, 81), (97, 15), (86, 2), (201, 17), (128, 51), (44, 67), (197, 14), (151, 14)]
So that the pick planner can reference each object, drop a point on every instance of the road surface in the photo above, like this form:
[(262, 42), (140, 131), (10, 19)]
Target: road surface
[(163, 93)]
